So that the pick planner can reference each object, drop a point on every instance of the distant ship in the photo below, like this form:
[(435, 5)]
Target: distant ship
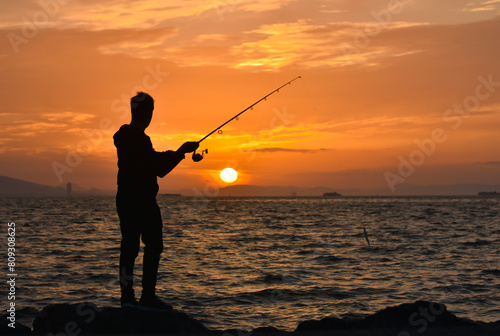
[(488, 193), (332, 194), (171, 195)]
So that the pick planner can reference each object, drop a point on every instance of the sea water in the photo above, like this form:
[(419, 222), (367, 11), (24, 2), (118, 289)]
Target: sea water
[(249, 262)]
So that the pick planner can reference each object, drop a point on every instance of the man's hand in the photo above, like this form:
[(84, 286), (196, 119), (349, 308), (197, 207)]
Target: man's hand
[(188, 147)]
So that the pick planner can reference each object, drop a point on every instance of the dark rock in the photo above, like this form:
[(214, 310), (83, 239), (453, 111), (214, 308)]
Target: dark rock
[(327, 323), (264, 331), (418, 315), (235, 332), (18, 330), (267, 330), (86, 318)]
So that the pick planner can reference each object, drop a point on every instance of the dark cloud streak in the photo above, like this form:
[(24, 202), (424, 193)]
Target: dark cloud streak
[(287, 150)]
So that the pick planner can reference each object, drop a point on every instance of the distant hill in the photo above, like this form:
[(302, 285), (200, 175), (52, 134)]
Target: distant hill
[(11, 187), (14, 187)]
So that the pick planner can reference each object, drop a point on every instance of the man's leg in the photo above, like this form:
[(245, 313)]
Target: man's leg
[(152, 237), (129, 248)]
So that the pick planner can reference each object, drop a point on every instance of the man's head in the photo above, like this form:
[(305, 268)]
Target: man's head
[(142, 106)]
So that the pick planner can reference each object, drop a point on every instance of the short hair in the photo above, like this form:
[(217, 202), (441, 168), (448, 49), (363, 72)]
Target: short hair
[(142, 105)]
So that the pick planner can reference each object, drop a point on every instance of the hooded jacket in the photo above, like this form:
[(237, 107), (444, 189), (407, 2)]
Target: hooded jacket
[(139, 164)]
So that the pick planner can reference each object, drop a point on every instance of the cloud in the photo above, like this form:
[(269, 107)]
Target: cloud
[(125, 14), (31, 129), (287, 150), (482, 6), (147, 44), (67, 116), (154, 30), (262, 5), (19, 126), (306, 43), (113, 14), (354, 128), (311, 45)]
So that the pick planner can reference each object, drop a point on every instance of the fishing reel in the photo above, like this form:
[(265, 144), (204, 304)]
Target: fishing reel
[(197, 157)]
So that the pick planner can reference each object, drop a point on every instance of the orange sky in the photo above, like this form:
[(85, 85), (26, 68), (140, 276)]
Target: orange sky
[(378, 78)]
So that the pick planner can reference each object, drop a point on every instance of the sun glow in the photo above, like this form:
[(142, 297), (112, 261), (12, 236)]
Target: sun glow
[(228, 175)]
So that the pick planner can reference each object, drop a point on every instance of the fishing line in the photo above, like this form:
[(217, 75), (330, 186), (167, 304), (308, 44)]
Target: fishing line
[(309, 96)]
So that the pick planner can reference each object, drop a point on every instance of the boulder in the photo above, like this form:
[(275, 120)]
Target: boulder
[(417, 316), (19, 329), (405, 319), (87, 318)]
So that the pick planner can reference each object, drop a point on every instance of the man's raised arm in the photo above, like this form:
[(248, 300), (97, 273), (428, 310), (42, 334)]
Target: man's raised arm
[(166, 161)]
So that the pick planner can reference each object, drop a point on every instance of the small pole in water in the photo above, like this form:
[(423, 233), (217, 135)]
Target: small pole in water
[(68, 189), (366, 236)]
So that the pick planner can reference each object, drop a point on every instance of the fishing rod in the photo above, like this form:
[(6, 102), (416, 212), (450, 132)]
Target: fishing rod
[(198, 157)]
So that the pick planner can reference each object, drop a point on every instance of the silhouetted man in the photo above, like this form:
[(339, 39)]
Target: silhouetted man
[(138, 167)]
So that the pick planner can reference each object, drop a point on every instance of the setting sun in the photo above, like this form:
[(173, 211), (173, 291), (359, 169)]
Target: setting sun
[(228, 175)]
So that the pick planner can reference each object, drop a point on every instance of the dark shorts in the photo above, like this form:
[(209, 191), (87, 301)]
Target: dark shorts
[(140, 217)]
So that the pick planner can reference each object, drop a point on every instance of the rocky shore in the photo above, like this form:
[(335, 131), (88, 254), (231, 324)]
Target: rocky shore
[(418, 318)]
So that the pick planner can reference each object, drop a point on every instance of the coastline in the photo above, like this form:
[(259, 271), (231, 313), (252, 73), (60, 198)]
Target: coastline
[(417, 318)]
